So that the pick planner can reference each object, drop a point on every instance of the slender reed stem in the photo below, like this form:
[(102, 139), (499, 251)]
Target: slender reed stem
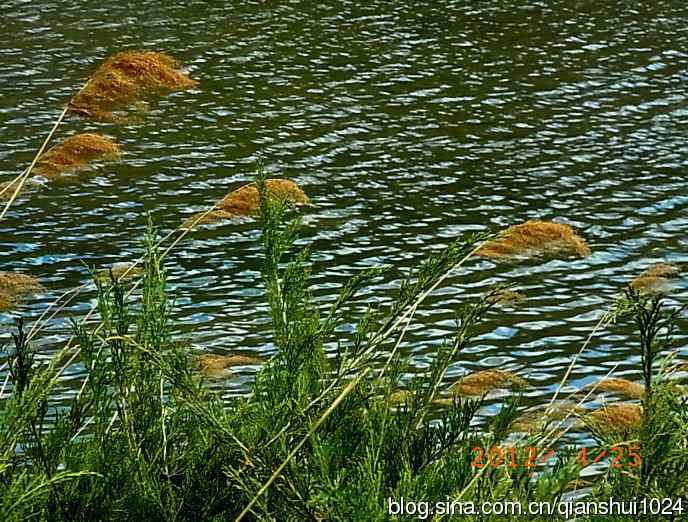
[(11, 183), (36, 328), (4, 384), (604, 321), (293, 452), (381, 336), (398, 343), (24, 175)]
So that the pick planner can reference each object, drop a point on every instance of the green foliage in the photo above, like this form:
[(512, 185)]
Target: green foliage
[(318, 438), (663, 434)]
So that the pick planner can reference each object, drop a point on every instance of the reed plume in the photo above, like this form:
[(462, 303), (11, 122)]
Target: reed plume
[(6, 187), (506, 297), (661, 270), (398, 397), (14, 285), (630, 389), (7, 301), (483, 381), (17, 284), (655, 279), (534, 238), (680, 367), (123, 79), (71, 154), (74, 153), (576, 484), (207, 217), (616, 418), (217, 366), (535, 419), (245, 201), (650, 285)]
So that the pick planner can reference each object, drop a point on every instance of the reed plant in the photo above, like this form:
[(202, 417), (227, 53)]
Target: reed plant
[(120, 81)]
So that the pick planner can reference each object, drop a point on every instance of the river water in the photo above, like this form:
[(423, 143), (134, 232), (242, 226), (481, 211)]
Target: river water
[(407, 124)]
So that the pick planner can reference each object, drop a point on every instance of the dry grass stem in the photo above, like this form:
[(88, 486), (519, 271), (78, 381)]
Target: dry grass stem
[(350, 386), (606, 318), (534, 238), (679, 367), (21, 179), (555, 433), (131, 266), (123, 78), (52, 310)]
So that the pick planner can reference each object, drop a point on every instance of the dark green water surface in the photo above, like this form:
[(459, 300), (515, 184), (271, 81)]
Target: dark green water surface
[(407, 123)]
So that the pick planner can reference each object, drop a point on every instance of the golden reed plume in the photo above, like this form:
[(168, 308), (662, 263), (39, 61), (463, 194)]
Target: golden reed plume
[(506, 297), (576, 484), (74, 153), (536, 419), (632, 390), (13, 285), (19, 283), (207, 218), (123, 79), (245, 201), (71, 154), (483, 381), (123, 271), (6, 187), (617, 418), (534, 238), (660, 270), (650, 285), (7, 301), (655, 279), (398, 397)]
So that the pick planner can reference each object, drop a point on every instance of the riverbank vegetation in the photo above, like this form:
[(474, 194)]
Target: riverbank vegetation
[(338, 424), (333, 427)]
